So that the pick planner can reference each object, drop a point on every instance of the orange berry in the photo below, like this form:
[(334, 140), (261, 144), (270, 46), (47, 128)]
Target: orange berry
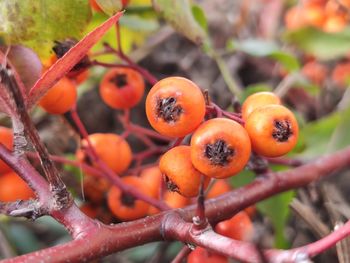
[(122, 88), (81, 77), (345, 3), (89, 210), (175, 106), (273, 130), (258, 99), (238, 227), (125, 206), (173, 200), (95, 188), (60, 98), (219, 187), (152, 176), (113, 150), (334, 24), (180, 175), (315, 72), (250, 210), (341, 74), (201, 255), (313, 2), (220, 148), (314, 15), (14, 188), (6, 138), (294, 18)]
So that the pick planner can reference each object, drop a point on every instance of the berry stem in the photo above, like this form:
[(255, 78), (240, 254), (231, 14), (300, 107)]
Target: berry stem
[(108, 173), (200, 222), (220, 112), (145, 73)]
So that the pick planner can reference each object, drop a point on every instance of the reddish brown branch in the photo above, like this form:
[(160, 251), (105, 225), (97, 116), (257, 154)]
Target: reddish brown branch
[(172, 224)]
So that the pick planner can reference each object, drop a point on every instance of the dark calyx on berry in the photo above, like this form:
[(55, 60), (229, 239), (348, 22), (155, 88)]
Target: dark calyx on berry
[(282, 130), (120, 80), (127, 200), (219, 153), (168, 110), (62, 47), (171, 185)]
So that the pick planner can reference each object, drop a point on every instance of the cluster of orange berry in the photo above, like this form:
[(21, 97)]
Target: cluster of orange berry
[(219, 147), (12, 187), (317, 72), (328, 15)]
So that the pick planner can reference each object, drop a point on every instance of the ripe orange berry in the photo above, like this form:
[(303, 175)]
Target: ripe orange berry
[(125, 206), (219, 187), (341, 74), (294, 18), (315, 72), (81, 77), (60, 98), (345, 3), (273, 130), (113, 150), (180, 175), (125, 3), (175, 106), (258, 99), (95, 188), (89, 210), (13, 188), (220, 148), (238, 227), (201, 255), (173, 200), (6, 138), (334, 24), (314, 15), (152, 176), (122, 88)]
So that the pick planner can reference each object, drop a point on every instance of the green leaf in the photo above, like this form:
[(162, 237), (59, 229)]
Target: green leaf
[(110, 7), (139, 254), (256, 47), (289, 62), (22, 238), (37, 24), (199, 15), (75, 171), (243, 178), (264, 48), (321, 44), (317, 134), (138, 23), (179, 15), (277, 210), (341, 135)]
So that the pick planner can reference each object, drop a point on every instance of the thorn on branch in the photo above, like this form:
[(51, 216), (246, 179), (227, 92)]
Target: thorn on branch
[(29, 209), (23, 125)]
